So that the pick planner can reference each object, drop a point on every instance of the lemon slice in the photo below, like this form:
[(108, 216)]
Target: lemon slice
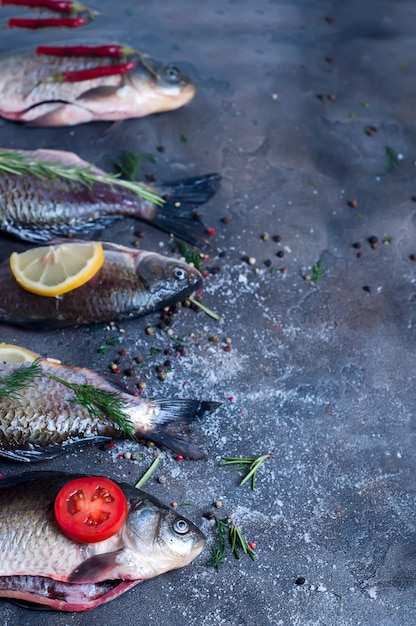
[(9, 353), (54, 270)]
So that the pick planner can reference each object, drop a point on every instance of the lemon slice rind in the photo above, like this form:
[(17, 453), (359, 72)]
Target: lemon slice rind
[(10, 353), (57, 269)]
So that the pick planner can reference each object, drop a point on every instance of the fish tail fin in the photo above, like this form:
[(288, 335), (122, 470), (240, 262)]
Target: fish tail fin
[(172, 427), (179, 215)]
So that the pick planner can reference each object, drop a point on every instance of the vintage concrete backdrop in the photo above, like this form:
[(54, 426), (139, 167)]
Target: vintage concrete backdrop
[(298, 104)]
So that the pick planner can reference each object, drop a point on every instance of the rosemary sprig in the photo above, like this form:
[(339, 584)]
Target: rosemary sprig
[(148, 473), (227, 528), (20, 164), (251, 464), (238, 540), (204, 308), (22, 377), (99, 403)]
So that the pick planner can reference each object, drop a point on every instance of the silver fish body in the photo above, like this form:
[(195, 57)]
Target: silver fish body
[(42, 421), (40, 565), (130, 283), (39, 209), (25, 94)]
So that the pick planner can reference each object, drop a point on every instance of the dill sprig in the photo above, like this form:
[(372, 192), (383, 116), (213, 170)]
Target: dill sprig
[(22, 377), (251, 464), (227, 529), (318, 271), (20, 164), (190, 256), (148, 473), (100, 403), (218, 552), (129, 165)]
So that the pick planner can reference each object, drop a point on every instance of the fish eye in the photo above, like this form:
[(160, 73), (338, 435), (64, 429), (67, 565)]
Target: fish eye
[(179, 273), (172, 74), (181, 526)]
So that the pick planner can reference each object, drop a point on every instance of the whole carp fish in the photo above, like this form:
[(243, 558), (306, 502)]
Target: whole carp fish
[(43, 420), (28, 95), (38, 209), (130, 283), (41, 566)]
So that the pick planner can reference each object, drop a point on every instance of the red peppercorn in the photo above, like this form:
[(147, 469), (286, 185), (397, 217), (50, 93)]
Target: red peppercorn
[(179, 457), (252, 545)]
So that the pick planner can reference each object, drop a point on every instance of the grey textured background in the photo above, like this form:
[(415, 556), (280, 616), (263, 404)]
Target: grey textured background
[(321, 375)]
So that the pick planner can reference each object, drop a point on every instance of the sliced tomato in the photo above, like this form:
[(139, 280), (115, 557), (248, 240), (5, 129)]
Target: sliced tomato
[(90, 509)]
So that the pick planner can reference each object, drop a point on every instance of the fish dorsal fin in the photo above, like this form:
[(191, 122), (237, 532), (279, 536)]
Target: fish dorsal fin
[(95, 569)]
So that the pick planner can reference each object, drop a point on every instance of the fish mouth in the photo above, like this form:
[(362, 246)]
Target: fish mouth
[(44, 592)]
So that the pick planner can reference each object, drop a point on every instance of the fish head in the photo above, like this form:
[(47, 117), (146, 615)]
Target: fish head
[(166, 280), (164, 86), (159, 536)]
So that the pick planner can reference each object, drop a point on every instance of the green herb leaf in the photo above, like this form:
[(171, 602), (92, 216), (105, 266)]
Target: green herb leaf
[(100, 403), (204, 308), (148, 473), (318, 271), (218, 552), (392, 159), (24, 376), (237, 540), (129, 165), (227, 529), (190, 256), (249, 464), (20, 164)]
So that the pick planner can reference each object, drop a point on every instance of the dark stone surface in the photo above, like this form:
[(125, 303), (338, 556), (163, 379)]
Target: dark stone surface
[(321, 375)]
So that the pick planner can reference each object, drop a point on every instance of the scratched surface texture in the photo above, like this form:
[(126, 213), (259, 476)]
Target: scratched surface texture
[(304, 107)]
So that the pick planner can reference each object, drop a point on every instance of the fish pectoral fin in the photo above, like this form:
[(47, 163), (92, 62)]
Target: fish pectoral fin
[(95, 569), (64, 115), (32, 455), (98, 93)]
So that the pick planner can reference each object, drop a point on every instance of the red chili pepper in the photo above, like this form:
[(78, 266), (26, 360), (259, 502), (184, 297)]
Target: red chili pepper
[(97, 51), (61, 6), (75, 22), (93, 72)]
